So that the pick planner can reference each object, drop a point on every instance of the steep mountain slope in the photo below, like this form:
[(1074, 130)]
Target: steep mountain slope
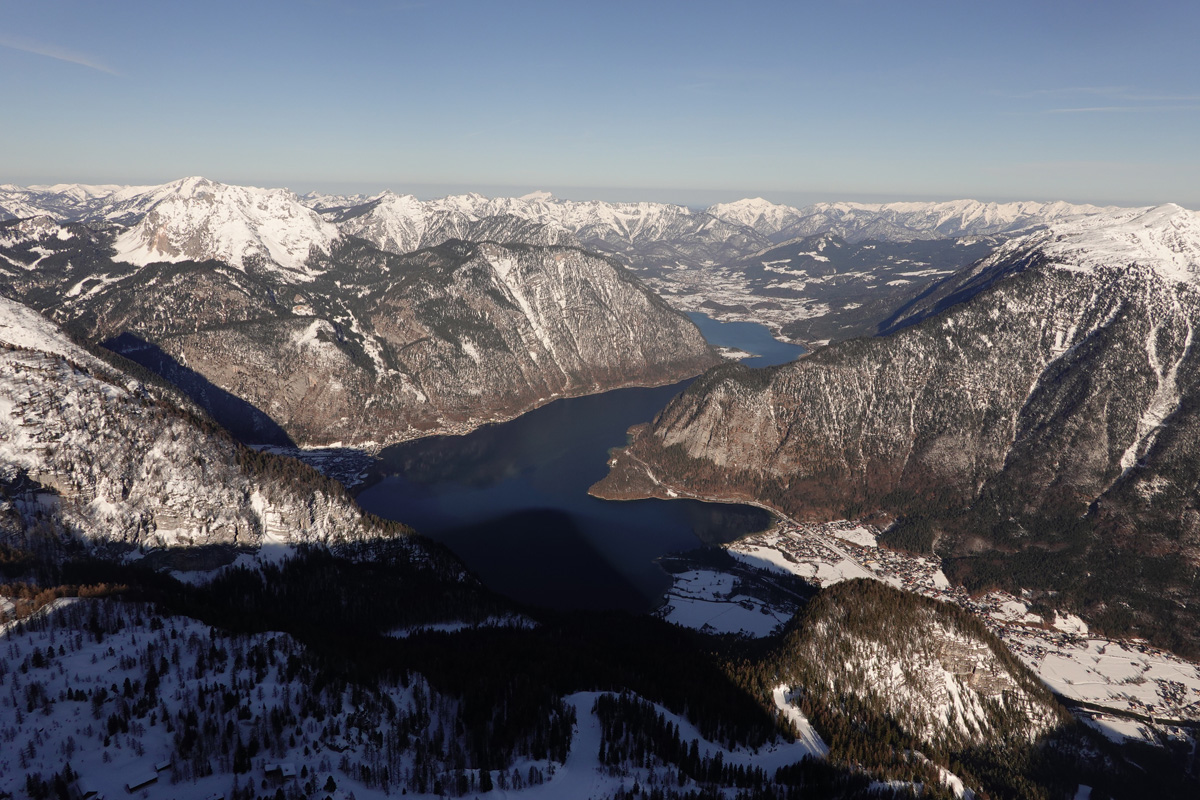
[(1022, 430), (357, 345), (90, 453), (932, 669), (891, 678)]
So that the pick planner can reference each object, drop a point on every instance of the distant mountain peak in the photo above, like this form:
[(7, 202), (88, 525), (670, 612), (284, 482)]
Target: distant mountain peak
[(194, 219), (754, 212)]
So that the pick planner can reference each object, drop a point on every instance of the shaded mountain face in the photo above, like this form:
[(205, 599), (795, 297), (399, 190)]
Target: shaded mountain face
[(88, 453), (1032, 419), (358, 346), (866, 653)]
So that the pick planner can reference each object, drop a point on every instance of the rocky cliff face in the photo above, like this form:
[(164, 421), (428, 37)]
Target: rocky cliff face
[(1024, 422), (358, 346), (89, 453)]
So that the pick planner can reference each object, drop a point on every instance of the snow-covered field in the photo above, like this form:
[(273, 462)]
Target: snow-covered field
[(708, 601), (1127, 676)]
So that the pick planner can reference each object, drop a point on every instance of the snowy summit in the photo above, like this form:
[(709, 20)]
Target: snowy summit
[(197, 219)]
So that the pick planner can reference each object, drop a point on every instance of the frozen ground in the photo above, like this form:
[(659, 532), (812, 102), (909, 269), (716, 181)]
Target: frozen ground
[(1126, 676), (708, 601)]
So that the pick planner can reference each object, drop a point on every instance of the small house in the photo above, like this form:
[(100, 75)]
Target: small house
[(140, 781)]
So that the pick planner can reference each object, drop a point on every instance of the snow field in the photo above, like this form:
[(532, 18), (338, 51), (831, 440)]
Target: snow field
[(705, 600)]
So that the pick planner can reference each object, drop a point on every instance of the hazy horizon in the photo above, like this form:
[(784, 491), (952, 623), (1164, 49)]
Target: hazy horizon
[(692, 198)]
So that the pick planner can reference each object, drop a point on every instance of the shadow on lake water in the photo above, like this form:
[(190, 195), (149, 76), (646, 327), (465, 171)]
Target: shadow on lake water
[(511, 500)]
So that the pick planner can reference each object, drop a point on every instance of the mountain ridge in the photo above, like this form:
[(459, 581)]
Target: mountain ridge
[(361, 347), (1047, 406)]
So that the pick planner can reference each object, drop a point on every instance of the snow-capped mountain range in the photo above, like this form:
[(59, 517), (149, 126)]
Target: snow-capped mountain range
[(900, 222), (347, 343), (195, 218)]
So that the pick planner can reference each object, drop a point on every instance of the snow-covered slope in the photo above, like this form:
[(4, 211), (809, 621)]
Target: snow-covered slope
[(196, 219), (402, 223), (87, 452), (22, 327), (857, 222), (762, 215), (1165, 238)]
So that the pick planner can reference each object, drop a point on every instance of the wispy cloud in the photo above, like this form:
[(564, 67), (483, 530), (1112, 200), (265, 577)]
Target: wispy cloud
[(59, 53), (1122, 109), (1063, 91), (1108, 100)]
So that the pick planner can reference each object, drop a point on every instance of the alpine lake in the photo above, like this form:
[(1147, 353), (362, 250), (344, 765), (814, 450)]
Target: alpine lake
[(511, 499)]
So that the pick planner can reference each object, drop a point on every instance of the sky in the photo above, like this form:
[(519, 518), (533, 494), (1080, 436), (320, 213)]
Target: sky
[(690, 102)]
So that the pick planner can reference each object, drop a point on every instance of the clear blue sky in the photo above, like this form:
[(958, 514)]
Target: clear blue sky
[(682, 101)]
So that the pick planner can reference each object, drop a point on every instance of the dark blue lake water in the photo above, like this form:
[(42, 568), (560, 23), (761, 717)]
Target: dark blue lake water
[(748, 336), (511, 499)]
